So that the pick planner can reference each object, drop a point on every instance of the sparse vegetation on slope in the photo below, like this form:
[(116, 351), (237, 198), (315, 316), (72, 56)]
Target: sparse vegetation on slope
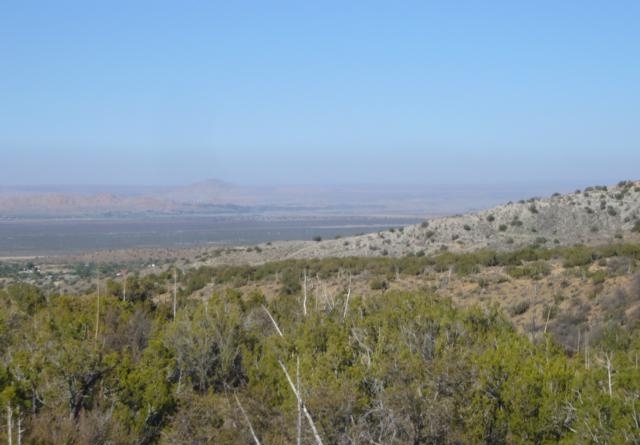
[(528, 344)]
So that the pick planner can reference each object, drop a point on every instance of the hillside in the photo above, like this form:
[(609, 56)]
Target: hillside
[(451, 335), (529, 286), (453, 256), (596, 215)]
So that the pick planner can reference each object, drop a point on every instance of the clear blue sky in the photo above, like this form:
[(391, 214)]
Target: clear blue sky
[(155, 92)]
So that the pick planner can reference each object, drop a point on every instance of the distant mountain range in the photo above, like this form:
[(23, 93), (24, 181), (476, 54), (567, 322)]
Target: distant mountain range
[(219, 197)]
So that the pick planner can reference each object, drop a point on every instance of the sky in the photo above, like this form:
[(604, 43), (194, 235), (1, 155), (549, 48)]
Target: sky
[(274, 92)]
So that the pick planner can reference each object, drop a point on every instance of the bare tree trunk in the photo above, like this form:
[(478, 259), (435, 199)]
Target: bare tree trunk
[(328, 297), (175, 293), (316, 435), (97, 313), (304, 294), (299, 422), (586, 350), (546, 324), (246, 418), (317, 292), (275, 325), (346, 301), (9, 424), (20, 430), (124, 288), (293, 386), (609, 372)]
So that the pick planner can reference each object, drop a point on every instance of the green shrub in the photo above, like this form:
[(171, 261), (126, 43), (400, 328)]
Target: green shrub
[(379, 284), (578, 256), (519, 308), (534, 270), (598, 276), (290, 282)]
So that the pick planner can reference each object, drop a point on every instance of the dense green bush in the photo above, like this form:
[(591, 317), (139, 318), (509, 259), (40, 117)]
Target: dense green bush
[(384, 367), (534, 270)]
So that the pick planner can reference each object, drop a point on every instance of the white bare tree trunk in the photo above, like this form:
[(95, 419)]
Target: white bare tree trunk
[(97, 313), (293, 386), (124, 288), (9, 424), (316, 435), (275, 325), (304, 294), (299, 422), (586, 350), (609, 367), (246, 418), (175, 293), (346, 300), (546, 323), (20, 430)]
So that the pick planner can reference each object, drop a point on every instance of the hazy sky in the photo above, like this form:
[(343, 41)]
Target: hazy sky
[(155, 92)]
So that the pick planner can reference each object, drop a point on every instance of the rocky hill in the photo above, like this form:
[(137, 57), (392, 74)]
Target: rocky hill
[(565, 291), (595, 215)]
